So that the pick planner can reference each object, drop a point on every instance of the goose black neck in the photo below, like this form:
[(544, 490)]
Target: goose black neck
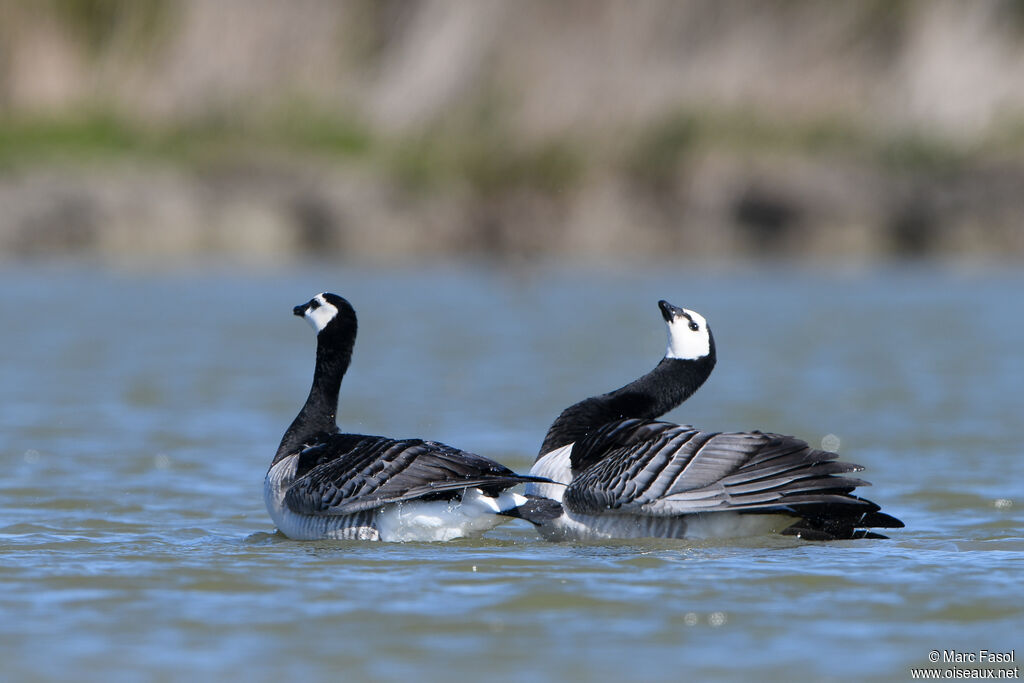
[(319, 413), (670, 383)]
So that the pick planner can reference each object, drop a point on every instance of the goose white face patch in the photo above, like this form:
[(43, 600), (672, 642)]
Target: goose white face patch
[(319, 316), (688, 337)]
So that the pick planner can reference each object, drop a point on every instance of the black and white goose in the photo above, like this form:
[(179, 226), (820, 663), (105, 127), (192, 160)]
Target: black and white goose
[(326, 485), (620, 473)]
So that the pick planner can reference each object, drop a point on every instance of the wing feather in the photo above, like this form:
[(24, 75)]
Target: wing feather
[(661, 469), (343, 473)]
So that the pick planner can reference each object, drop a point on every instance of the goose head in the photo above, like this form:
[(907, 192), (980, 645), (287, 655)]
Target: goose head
[(328, 313), (689, 337)]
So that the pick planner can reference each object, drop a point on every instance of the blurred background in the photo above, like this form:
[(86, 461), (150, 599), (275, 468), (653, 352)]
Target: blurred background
[(397, 131)]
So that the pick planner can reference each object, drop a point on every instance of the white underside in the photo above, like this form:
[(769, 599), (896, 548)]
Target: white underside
[(701, 525), (474, 513)]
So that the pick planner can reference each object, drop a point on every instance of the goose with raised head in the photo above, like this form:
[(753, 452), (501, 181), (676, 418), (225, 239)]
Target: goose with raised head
[(618, 472), (323, 484)]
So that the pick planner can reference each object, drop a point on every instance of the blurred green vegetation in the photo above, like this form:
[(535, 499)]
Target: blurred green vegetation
[(486, 156), (658, 150), (97, 22), (489, 163), (488, 160), (97, 135)]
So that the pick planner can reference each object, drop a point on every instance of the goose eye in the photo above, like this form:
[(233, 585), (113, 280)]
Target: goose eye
[(314, 304), (694, 326)]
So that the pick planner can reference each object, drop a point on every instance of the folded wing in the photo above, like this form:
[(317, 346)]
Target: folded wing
[(342, 474), (661, 469)]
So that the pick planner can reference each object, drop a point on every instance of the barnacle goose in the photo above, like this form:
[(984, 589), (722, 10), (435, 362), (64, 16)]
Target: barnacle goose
[(621, 473), (326, 485)]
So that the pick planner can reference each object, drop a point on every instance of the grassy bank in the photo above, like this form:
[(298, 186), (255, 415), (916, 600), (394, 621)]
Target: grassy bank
[(485, 152), (698, 184)]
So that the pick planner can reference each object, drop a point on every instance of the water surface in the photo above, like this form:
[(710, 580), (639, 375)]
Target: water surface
[(141, 411)]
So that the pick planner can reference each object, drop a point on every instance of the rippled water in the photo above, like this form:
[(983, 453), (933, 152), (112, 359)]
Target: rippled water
[(140, 412)]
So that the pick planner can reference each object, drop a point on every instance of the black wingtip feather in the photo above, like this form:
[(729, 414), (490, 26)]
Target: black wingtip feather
[(841, 521), (536, 511), (811, 534)]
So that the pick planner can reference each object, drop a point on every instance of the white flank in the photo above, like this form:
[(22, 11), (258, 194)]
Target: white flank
[(439, 520), (298, 527), (556, 466), (698, 526), (685, 343), (709, 525), (309, 527)]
